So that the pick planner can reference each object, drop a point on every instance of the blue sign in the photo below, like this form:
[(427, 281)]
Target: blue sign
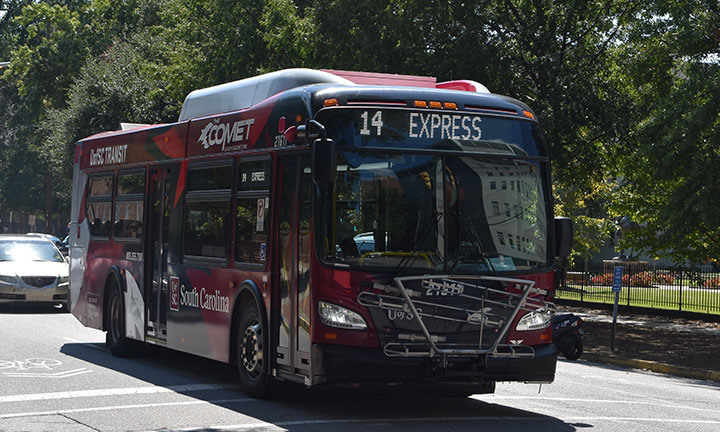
[(617, 279)]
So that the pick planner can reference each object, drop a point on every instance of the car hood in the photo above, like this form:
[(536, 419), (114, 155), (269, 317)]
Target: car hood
[(34, 268)]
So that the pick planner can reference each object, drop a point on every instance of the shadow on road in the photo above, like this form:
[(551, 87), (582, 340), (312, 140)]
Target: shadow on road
[(348, 408), (31, 308)]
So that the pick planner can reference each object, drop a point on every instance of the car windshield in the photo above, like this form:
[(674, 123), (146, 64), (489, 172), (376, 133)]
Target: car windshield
[(24, 250), (441, 212)]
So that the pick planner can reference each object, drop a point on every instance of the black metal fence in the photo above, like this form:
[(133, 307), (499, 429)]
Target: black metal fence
[(645, 284)]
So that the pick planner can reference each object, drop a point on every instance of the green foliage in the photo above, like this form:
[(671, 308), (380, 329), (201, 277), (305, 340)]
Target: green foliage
[(124, 85), (50, 48), (671, 164)]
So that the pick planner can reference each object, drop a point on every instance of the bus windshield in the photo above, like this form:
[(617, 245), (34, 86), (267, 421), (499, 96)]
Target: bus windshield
[(462, 211)]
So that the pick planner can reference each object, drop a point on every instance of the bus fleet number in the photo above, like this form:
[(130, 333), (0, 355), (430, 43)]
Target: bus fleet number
[(375, 122)]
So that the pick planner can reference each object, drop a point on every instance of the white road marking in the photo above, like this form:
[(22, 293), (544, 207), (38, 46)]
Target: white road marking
[(65, 374), (674, 404), (115, 392), (121, 407), (658, 403), (641, 419), (281, 426)]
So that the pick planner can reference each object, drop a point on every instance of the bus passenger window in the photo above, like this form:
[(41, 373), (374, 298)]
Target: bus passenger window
[(206, 228), (129, 206), (252, 226), (252, 212), (207, 211), (98, 207)]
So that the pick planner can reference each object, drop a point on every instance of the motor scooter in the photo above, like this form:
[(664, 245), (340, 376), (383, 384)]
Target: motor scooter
[(567, 335)]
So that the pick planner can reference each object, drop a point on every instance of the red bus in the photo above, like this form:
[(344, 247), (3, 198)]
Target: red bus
[(326, 227)]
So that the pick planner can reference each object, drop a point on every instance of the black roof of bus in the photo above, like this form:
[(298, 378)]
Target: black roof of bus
[(406, 96)]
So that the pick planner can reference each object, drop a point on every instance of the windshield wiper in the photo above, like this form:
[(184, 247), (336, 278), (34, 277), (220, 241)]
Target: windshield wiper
[(467, 227), (425, 230)]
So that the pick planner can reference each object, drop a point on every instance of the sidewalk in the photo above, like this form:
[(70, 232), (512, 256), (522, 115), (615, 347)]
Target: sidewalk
[(654, 323), (675, 346)]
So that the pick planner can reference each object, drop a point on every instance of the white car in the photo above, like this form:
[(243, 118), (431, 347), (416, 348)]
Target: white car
[(32, 270)]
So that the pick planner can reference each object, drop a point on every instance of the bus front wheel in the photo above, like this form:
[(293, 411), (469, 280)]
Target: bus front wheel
[(252, 352), (115, 338)]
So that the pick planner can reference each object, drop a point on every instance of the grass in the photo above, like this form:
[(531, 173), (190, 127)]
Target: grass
[(656, 297)]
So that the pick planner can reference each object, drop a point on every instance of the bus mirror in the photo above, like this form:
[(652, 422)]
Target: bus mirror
[(563, 237), (323, 161)]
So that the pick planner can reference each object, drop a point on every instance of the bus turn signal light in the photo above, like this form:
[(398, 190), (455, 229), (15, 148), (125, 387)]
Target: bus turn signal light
[(330, 102), (529, 115)]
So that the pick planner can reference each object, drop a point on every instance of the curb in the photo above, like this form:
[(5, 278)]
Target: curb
[(681, 371)]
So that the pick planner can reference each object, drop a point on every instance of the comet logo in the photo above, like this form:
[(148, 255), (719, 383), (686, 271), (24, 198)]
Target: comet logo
[(223, 134)]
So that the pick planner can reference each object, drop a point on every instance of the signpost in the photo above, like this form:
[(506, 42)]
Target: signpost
[(616, 286)]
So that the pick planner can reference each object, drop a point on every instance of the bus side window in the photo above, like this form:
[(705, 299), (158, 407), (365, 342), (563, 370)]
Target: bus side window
[(129, 206), (99, 204), (253, 212), (207, 210)]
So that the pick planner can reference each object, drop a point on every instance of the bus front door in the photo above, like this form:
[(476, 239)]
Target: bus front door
[(156, 254), (291, 328)]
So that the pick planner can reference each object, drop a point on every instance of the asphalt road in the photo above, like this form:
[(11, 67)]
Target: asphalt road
[(56, 375)]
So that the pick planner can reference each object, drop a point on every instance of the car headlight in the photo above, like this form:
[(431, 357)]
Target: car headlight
[(535, 320), (63, 280), (336, 316), (8, 279)]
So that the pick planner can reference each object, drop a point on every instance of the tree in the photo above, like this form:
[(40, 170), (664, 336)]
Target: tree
[(670, 165)]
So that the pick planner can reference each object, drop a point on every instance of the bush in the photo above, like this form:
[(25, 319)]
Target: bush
[(664, 279), (711, 283), (643, 279), (601, 279)]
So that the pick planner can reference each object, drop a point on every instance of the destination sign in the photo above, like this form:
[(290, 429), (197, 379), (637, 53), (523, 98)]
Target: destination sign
[(429, 125), (390, 127)]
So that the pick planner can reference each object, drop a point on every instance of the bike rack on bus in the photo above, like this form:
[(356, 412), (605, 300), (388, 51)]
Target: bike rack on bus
[(400, 298)]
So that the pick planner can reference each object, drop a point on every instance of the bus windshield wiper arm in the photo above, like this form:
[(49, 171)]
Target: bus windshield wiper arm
[(475, 240), (425, 230)]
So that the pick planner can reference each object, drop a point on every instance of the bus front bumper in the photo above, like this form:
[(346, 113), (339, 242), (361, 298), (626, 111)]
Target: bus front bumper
[(336, 364)]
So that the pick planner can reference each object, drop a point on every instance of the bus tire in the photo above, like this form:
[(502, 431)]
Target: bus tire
[(115, 338), (252, 352)]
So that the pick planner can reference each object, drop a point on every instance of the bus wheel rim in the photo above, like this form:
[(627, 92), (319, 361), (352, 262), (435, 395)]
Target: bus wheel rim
[(251, 349)]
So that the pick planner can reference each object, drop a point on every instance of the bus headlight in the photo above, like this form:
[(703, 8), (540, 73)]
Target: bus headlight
[(535, 320), (333, 315)]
